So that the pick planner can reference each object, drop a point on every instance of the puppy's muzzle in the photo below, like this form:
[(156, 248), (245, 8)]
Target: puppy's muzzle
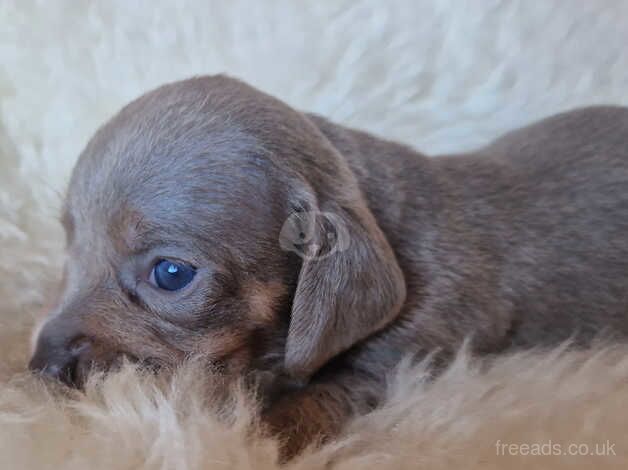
[(62, 354)]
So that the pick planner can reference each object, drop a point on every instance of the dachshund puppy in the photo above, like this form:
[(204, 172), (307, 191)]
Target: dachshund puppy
[(208, 218)]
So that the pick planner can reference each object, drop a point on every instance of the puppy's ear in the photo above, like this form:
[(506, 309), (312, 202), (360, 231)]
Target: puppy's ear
[(349, 286)]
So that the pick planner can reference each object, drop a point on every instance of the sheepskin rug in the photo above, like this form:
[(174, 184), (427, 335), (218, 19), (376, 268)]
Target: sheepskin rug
[(443, 75)]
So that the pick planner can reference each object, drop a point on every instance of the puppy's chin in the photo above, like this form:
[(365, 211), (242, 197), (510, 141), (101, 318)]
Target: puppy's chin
[(86, 368)]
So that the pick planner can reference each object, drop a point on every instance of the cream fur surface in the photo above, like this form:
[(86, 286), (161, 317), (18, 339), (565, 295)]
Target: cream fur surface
[(442, 75)]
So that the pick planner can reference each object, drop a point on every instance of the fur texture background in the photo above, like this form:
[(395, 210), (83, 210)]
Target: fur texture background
[(443, 75)]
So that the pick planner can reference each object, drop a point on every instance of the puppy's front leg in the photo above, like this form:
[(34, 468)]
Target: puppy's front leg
[(318, 412)]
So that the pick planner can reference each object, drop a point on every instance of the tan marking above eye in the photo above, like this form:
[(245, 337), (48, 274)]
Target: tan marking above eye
[(125, 229)]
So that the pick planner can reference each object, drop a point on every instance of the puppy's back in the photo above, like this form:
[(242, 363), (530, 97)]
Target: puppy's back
[(562, 224)]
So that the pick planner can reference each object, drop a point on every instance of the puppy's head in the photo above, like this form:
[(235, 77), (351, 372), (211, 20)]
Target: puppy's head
[(210, 219)]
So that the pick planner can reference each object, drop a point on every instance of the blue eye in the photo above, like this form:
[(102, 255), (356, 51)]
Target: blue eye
[(172, 276)]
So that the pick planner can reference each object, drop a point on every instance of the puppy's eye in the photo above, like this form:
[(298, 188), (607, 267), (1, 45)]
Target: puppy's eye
[(170, 275)]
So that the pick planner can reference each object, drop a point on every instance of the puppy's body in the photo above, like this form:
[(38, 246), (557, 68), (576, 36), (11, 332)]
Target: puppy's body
[(522, 243)]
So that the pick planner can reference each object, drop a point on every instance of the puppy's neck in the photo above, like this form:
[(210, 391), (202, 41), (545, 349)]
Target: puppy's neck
[(400, 184)]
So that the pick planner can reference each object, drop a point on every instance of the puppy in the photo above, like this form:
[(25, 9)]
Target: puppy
[(208, 218)]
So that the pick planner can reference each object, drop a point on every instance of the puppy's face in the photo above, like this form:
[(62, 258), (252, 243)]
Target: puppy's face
[(182, 240)]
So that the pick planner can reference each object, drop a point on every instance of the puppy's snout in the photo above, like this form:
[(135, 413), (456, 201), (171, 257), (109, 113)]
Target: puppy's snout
[(61, 358)]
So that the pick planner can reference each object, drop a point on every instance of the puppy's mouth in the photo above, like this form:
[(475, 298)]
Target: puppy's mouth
[(80, 367), (76, 375)]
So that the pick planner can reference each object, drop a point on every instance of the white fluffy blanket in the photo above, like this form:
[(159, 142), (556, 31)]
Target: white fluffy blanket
[(442, 75)]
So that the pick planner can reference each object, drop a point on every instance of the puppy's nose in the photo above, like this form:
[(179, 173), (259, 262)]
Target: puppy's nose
[(59, 361)]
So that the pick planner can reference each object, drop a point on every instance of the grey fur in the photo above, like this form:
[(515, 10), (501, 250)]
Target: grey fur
[(522, 243)]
